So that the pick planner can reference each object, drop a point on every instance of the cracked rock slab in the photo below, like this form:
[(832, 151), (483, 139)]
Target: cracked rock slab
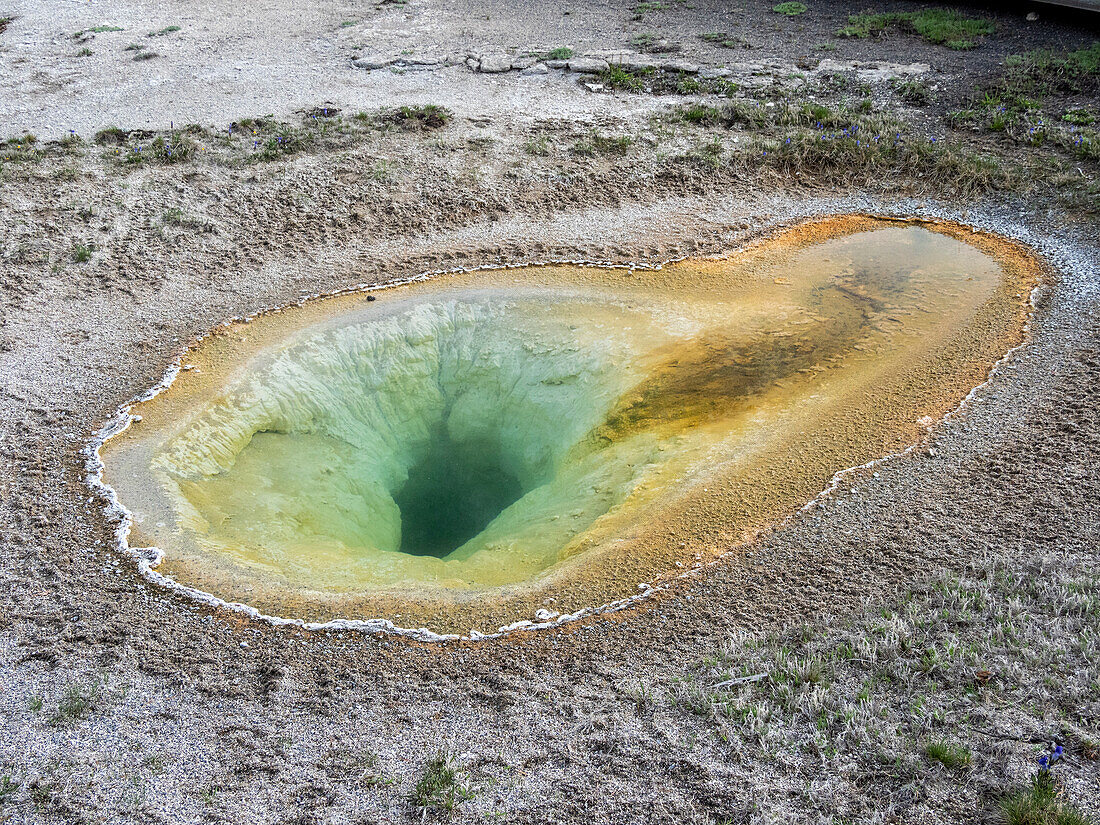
[(587, 65), (875, 70)]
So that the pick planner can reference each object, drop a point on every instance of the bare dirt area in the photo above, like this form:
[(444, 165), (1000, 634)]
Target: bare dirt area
[(904, 650)]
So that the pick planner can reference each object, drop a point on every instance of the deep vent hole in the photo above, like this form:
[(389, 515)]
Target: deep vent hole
[(452, 494)]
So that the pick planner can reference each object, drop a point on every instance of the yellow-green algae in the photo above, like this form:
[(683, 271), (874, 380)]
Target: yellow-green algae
[(593, 427)]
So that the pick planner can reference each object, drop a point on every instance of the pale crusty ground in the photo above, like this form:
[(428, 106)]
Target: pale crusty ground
[(231, 60), (122, 703)]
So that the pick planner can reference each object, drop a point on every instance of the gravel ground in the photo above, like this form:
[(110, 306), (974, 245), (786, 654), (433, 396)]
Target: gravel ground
[(867, 624)]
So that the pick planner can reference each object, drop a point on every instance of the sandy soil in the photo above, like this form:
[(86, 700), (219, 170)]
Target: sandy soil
[(125, 703)]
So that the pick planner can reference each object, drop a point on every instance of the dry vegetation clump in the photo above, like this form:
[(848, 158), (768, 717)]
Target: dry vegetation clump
[(245, 141), (842, 145), (976, 686)]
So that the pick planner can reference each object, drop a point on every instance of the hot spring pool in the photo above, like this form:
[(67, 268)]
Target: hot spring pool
[(467, 450)]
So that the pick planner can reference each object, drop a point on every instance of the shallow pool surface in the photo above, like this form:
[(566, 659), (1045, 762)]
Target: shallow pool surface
[(466, 450)]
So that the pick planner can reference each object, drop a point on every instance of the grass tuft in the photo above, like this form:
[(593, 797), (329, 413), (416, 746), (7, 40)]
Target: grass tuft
[(952, 756), (439, 788), (537, 146), (560, 53), (915, 93), (110, 135), (422, 118), (1040, 805), (616, 77), (80, 698)]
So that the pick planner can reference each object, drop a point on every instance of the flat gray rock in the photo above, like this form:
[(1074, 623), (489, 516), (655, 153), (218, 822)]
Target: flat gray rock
[(587, 65), (612, 56), (372, 61), (638, 62), (494, 63), (676, 65), (875, 70)]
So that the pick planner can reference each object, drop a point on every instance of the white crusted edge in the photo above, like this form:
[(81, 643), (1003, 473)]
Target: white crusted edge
[(149, 558)]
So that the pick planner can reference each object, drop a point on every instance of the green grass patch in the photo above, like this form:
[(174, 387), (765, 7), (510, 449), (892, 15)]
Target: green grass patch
[(700, 114), (598, 144), (950, 28), (867, 24), (560, 53), (25, 149), (790, 9), (1079, 117), (162, 32), (173, 147), (752, 115), (944, 27)]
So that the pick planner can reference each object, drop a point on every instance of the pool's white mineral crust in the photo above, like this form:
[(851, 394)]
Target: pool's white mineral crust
[(597, 427)]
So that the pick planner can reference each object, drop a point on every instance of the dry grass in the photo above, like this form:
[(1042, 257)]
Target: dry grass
[(955, 674)]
